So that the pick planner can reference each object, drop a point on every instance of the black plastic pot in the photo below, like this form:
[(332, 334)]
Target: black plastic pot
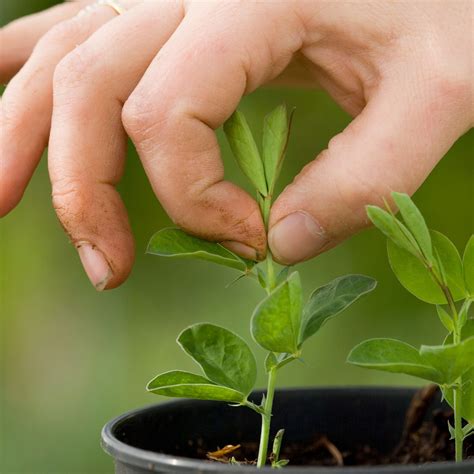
[(138, 440)]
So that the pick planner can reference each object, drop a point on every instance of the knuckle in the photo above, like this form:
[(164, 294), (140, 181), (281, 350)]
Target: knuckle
[(74, 70), (142, 119), (58, 34), (451, 88), (445, 76), (68, 202), (353, 189), (14, 115)]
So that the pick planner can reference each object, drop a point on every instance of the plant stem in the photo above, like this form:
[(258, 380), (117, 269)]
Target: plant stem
[(270, 272), (458, 432), (457, 390), (265, 206), (266, 419)]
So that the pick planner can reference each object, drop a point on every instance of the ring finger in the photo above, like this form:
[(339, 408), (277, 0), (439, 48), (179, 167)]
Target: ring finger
[(26, 107)]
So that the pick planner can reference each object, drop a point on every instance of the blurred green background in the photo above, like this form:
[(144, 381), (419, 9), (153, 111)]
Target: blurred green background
[(72, 358)]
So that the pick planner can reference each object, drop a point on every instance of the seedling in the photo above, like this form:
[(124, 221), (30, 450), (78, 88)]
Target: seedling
[(429, 266), (280, 324)]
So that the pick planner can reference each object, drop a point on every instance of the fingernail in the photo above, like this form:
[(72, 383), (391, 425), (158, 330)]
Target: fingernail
[(240, 249), (95, 265), (296, 237)]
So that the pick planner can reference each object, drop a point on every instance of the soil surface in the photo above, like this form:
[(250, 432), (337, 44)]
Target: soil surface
[(424, 439)]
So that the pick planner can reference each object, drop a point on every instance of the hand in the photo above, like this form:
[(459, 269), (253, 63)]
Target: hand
[(168, 73)]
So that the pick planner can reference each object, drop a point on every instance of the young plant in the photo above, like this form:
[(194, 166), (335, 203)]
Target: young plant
[(429, 266), (280, 324)]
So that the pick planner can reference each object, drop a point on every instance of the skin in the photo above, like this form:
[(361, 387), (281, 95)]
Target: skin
[(403, 70)]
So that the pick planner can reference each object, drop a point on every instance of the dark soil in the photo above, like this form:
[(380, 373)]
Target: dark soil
[(423, 440)]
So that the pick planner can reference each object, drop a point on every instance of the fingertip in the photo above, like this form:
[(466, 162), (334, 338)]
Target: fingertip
[(104, 272), (296, 237), (10, 196), (240, 249)]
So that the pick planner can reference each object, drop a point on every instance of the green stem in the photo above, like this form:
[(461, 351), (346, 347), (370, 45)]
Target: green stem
[(266, 419), (457, 391), (270, 272), (265, 206), (458, 432)]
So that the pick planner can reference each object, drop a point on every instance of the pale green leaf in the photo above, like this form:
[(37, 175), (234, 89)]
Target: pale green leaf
[(245, 150), (467, 382), (415, 222), (270, 362), (329, 300), (177, 383), (276, 320), (413, 275), (468, 264), (448, 255), (418, 280), (276, 130), (172, 242), (445, 318), (395, 356), (282, 275), (277, 361), (392, 229), (224, 357), (451, 360), (464, 313), (262, 277)]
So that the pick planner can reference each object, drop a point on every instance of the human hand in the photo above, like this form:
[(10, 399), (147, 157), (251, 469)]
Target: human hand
[(172, 72)]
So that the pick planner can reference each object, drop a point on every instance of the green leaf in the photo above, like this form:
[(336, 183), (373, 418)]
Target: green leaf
[(275, 323), (329, 300), (416, 278), (464, 313), (467, 383), (451, 360), (468, 265), (395, 356), (245, 150), (415, 222), (282, 275), (177, 383), (270, 362), (392, 228), (224, 357), (172, 242), (445, 319), (262, 277), (276, 131), (273, 361), (449, 257), (413, 275)]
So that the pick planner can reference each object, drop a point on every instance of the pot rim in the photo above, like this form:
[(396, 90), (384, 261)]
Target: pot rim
[(154, 461)]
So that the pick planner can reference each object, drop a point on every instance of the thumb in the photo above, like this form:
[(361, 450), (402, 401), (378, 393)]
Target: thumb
[(391, 146)]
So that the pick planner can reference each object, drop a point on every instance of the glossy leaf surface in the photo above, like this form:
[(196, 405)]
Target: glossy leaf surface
[(182, 384), (224, 357), (172, 242), (276, 320), (329, 300), (391, 355), (245, 150)]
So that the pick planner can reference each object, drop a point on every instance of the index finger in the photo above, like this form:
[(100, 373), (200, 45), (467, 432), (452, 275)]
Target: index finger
[(193, 85)]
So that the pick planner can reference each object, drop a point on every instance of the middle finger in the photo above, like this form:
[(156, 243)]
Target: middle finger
[(87, 144)]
